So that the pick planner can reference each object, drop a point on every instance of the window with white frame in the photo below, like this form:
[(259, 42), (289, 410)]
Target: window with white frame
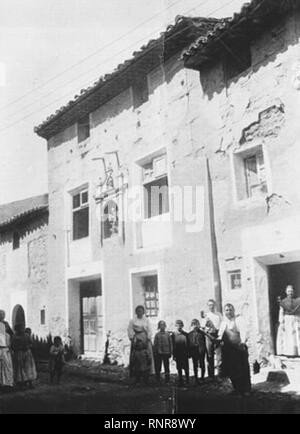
[(156, 187), (250, 173), (151, 295), (235, 279), (80, 211)]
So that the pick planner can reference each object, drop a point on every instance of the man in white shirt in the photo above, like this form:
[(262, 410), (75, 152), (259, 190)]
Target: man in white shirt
[(211, 322)]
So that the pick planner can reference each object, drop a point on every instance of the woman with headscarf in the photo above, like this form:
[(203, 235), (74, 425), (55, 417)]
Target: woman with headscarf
[(235, 364), (6, 366), (288, 335), (141, 354)]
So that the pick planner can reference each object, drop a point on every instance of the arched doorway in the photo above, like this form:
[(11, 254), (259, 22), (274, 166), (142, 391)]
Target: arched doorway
[(18, 315)]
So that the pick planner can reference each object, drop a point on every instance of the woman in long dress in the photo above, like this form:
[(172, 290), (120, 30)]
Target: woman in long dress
[(235, 363), (141, 354), (288, 335), (24, 365), (6, 367)]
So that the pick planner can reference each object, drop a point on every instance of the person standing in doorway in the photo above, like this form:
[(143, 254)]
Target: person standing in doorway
[(288, 336), (211, 322)]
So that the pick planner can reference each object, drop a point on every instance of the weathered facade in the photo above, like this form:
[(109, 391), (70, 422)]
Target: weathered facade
[(222, 149), (23, 263), (250, 128)]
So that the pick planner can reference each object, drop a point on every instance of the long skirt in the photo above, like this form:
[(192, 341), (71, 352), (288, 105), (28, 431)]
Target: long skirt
[(141, 361), (288, 336), (6, 368), (235, 365), (24, 366)]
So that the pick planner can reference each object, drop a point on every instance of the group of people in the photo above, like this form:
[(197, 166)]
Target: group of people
[(211, 337), (17, 364)]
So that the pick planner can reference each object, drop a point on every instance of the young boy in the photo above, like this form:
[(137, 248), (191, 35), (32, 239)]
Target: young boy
[(180, 344), (57, 359), (197, 349), (162, 351)]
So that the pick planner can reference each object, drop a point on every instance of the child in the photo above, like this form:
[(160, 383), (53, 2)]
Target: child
[(57, 359), (162, 350), (197, 349), (24, 366), (180, 351)]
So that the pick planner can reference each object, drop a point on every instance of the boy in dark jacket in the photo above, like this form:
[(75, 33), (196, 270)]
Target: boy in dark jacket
[(197, 349), (181, 351)]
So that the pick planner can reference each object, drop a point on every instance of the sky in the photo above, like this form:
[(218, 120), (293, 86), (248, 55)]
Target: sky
[(50, 50)]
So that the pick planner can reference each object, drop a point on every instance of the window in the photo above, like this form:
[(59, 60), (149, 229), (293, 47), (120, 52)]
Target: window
[(151, 295), (110, 219), (80, 209), (156, 188), (255, 174), (237, 59), (140, 91), (83, 128), (16, 240), (43, 317), (235, 279), (250, 174)]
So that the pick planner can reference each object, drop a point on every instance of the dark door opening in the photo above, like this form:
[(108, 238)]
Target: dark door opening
[(280, 276), (18, 316), (91, 316)]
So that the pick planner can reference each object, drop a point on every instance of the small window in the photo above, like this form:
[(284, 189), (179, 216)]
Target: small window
[(110, 219), (235, 279), (80, 215), (83, 128), (16, 240), (43, 317), (237, 59), (156, 188), (151, 295), (250, 174), (140, 91)]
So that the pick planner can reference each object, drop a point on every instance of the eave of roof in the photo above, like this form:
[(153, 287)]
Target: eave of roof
[(253, 19), (14, 213), (172, 41)]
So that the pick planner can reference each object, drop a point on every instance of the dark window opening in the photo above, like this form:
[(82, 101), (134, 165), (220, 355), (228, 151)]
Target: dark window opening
[(83, 128), (110, 220), (80, 215), (151, 296), (237, 59), (140, 91), (16, 240), (156, 197), (43, 317)]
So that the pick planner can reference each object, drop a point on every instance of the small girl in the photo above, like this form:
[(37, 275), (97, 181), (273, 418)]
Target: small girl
[(162, 351), (180, 351), (197, 349), (24, 366), (57, 359)]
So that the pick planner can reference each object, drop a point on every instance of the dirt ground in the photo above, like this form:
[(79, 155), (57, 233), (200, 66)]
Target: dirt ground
[(79, 395)]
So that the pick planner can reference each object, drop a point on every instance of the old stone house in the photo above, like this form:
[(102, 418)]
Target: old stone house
[(170, 182), (23, 263)]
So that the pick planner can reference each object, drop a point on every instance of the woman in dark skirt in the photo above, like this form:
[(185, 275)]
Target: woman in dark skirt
[(235, 364)]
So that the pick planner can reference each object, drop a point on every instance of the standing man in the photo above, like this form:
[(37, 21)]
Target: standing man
[(211, 322)]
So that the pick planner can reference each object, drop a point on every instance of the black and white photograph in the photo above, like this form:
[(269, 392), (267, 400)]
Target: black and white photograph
[(149, 209)]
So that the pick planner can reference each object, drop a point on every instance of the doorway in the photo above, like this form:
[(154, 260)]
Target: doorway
[(18, 316), (281, 275), (91, 316)]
